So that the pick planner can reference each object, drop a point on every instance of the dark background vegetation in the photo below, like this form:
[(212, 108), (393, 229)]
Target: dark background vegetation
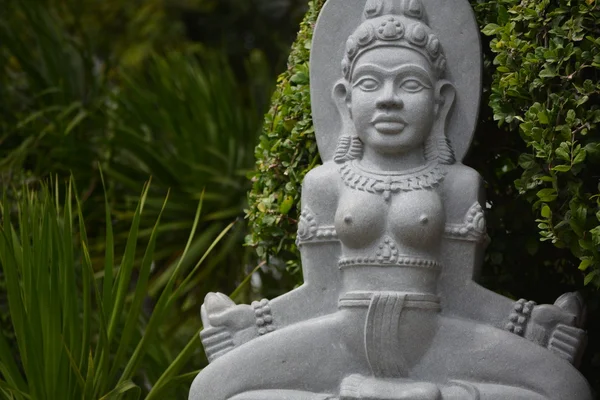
[(176, 90), (172, 90)]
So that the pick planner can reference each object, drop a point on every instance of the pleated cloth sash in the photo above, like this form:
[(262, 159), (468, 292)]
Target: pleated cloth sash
[(384, 343)]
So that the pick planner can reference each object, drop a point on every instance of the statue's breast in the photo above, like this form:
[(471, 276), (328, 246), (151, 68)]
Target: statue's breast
[(414, 220), (360, 218)]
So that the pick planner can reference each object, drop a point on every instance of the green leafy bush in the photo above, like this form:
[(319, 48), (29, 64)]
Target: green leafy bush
[(547, 82), (287, 150)]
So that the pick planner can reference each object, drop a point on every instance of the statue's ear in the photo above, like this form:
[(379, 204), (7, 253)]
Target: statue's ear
[(341, 97), (445, 94), (437, 145)]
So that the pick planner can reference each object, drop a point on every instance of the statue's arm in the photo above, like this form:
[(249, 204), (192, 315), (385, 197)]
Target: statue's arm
[(318, 294), (227, 325), (319, 250), (461, 294), (556, 327), (463, 249)]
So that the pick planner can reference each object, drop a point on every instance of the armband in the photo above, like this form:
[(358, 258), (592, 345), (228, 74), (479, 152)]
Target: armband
[(518, 318), (309, 230), (264, 318), (472, 228)]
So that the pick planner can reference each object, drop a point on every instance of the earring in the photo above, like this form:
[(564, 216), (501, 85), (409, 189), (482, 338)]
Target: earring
[(348, 148)]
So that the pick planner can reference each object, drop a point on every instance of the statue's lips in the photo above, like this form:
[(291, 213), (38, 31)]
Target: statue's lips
[(388, 124)]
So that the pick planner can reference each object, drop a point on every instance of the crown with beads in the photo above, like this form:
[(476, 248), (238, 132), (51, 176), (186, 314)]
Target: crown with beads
[(400, 23)]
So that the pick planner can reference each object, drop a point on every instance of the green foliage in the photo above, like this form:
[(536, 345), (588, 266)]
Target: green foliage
[(546, 82), (51, 97), (286, 152), (79, 93), (82, 335), (184, 118), (199, 139)]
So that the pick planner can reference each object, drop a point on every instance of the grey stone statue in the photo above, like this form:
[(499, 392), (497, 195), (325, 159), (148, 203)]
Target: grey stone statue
[(391, 235)]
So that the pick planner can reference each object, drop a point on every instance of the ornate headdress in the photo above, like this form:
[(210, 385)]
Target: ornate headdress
[(394, 23)]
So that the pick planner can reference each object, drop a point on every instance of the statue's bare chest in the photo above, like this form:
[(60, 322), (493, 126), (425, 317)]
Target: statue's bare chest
[(412, 219)]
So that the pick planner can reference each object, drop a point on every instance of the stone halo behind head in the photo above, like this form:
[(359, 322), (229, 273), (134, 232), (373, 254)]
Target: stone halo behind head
[(410, 8), (449, 36)]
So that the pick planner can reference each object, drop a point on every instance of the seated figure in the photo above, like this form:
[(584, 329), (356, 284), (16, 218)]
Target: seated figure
[(391, 234)]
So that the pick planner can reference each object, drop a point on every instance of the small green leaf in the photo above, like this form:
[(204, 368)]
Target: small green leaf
[(547, 195), (585, 264), (526, 161), (562, 168), (490, 29), (299, 78), (546, 212), (563, 151), (503, 16), (589, 277), (286, 205), (547, 72), (579, 156)]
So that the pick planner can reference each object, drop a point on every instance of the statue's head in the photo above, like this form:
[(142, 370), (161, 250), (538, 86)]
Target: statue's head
[(393, 92)]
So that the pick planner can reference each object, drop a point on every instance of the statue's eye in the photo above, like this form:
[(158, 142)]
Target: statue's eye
[(412, 85), (367, 84)]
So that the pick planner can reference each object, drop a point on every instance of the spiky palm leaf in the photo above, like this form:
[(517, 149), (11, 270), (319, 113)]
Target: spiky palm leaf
[(80, 335)]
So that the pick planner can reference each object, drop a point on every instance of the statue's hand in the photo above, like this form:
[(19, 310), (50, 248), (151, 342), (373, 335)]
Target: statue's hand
[(225, 325), (222, 311), (558, 326)]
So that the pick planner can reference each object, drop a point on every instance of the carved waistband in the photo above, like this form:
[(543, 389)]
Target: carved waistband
[(411, 300), (393, 261)]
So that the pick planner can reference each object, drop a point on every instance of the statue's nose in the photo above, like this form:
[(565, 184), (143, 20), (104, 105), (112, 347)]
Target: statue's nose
[(389, 98)]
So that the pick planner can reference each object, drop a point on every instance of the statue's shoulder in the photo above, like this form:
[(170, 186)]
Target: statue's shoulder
[(462, 187), (320, 188), (323, 177)]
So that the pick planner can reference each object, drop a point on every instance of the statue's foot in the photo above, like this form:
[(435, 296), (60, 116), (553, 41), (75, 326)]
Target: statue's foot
[(281, 395), (573, 303), (568, 341), (360, 387), (459, 390)]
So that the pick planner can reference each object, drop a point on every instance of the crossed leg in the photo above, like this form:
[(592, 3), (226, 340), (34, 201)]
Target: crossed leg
[(316, 355), (500, 364), (312, 356)]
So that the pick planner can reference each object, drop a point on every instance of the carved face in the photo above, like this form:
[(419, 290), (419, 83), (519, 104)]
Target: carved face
[(392, 101)]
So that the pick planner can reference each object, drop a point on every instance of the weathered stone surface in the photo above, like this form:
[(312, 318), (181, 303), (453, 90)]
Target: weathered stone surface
[(392, 233)]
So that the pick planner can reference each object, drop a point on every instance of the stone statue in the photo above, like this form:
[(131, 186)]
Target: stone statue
[(391, 235)]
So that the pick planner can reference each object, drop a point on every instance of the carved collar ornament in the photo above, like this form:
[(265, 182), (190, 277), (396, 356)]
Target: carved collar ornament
[(427, 176)]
